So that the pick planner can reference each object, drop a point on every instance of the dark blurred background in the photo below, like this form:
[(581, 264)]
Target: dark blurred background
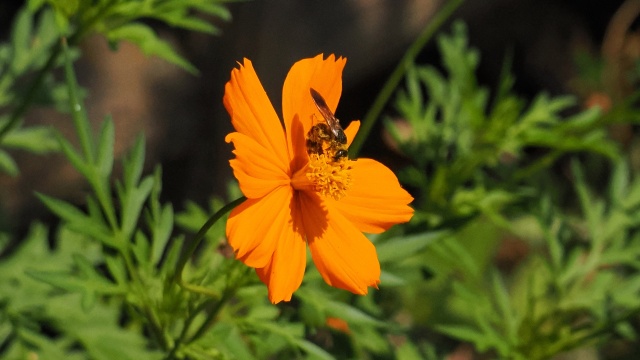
[(183, 117)]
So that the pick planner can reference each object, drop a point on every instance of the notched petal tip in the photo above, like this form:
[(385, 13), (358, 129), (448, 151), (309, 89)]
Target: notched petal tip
[(229, 138), (323, 75)]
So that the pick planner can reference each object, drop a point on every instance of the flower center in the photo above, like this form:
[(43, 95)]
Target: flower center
[(330, 176)]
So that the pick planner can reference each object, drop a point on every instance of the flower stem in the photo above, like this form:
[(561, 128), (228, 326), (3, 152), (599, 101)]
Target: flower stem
[(195, 242), (184, 258), (398, 73)]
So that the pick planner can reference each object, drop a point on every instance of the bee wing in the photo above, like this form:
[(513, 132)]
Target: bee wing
[(328, 116)]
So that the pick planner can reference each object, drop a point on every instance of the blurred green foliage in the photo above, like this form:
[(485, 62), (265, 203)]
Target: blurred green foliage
[(468, 147), (27, 60), (483, 165), (483, 169)]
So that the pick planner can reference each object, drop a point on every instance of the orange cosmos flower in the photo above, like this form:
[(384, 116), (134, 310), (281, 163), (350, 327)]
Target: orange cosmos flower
[(295, 199)]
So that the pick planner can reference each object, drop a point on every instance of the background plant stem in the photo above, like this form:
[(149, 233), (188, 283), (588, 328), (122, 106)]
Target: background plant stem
[(398, 73)]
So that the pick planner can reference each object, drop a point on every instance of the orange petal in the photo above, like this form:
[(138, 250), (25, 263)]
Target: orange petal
[(256, 169), (258, 226), (325, 76), (283, 274), (252, 113), (351, 131), (344, 257), (375, 201), (338, 324)]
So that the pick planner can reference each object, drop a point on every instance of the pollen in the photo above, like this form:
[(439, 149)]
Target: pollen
[(330, 177)]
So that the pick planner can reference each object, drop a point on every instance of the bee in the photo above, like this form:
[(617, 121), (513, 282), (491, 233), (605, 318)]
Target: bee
[(327, 137)]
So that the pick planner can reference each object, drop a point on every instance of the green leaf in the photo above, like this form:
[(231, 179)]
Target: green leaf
[(589, 209), (162, 233), (466, 333), (76, 160), (97, 331), (626, 331), (20, 38), (79, 221), (117, 269), (104, 160), (178, 19), (88, 282), (144, 37), (509, 319), (132, 202), (93, 209), (351, 315), (229, 340), (67, 7), (372, 340), (170, 262), (134, 163), (45, 347), (35, 5), (141, 249), (212, 8), (263, 312), (313, 351), (407, 351), (37, 139), (63, 209), (7, 164), (402, 247), (194, 216), (388, 279)]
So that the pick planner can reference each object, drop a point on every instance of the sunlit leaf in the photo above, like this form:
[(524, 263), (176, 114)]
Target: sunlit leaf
[(145, 38)]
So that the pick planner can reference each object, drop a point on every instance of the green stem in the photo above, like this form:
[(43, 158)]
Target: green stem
[(194, 245), (398, 73), (78, 113), (83, 130)]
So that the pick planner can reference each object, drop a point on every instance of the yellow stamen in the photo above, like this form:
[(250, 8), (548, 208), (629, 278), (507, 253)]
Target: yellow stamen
[(330, 177)]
